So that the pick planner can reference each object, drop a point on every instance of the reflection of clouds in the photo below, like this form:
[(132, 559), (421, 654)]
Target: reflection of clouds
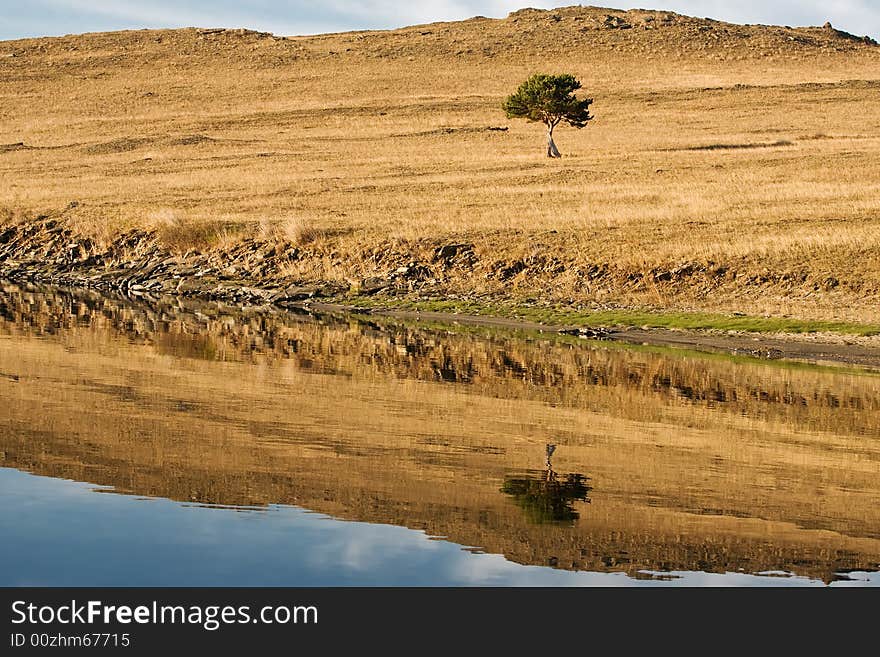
[(58, 532), (767, 579), (495, 570), (735, 579), (859, 579), (302, 17), (362, 547)]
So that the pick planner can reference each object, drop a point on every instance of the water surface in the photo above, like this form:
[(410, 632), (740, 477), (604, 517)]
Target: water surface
[(162, 442)]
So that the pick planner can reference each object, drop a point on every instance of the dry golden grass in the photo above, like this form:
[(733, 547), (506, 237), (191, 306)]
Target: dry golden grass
[(752, 151)]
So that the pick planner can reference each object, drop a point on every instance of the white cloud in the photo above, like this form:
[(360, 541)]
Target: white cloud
[(857, 16)]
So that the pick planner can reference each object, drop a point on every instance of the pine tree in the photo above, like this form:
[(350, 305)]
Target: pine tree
[(550, 99)]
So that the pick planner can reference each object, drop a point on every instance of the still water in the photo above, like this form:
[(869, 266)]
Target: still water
[(162, 442)]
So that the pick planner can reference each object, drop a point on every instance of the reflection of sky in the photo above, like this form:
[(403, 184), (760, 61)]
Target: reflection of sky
[(62, 533)]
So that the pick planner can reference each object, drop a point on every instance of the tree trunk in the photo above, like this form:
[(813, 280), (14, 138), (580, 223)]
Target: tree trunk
[(552, 151)]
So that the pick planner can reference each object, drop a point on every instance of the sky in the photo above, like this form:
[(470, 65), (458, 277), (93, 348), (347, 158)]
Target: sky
[(294, 17)]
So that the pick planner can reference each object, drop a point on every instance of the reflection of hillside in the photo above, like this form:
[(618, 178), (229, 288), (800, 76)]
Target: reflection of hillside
[(543, 369), (776, 469)]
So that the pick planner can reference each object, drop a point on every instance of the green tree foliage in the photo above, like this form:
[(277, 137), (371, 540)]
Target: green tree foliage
[(551, 100)]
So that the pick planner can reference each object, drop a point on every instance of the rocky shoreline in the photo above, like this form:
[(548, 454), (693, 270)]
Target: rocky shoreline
[(48, 252), (251, 272), (272, 269)]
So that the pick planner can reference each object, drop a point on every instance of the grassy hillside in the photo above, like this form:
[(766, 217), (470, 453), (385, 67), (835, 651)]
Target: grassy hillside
[(730, 168)]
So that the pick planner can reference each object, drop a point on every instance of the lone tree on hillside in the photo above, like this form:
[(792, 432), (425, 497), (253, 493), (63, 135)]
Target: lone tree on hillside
[(550, 99)]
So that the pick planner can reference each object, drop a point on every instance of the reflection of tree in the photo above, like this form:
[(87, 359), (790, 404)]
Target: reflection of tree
[(545, 497)]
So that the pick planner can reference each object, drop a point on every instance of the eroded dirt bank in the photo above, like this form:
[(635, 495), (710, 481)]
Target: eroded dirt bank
[(258, 272)]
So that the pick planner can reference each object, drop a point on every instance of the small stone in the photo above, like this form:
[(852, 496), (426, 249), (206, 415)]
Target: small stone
[(373, 285), (449, 251)]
